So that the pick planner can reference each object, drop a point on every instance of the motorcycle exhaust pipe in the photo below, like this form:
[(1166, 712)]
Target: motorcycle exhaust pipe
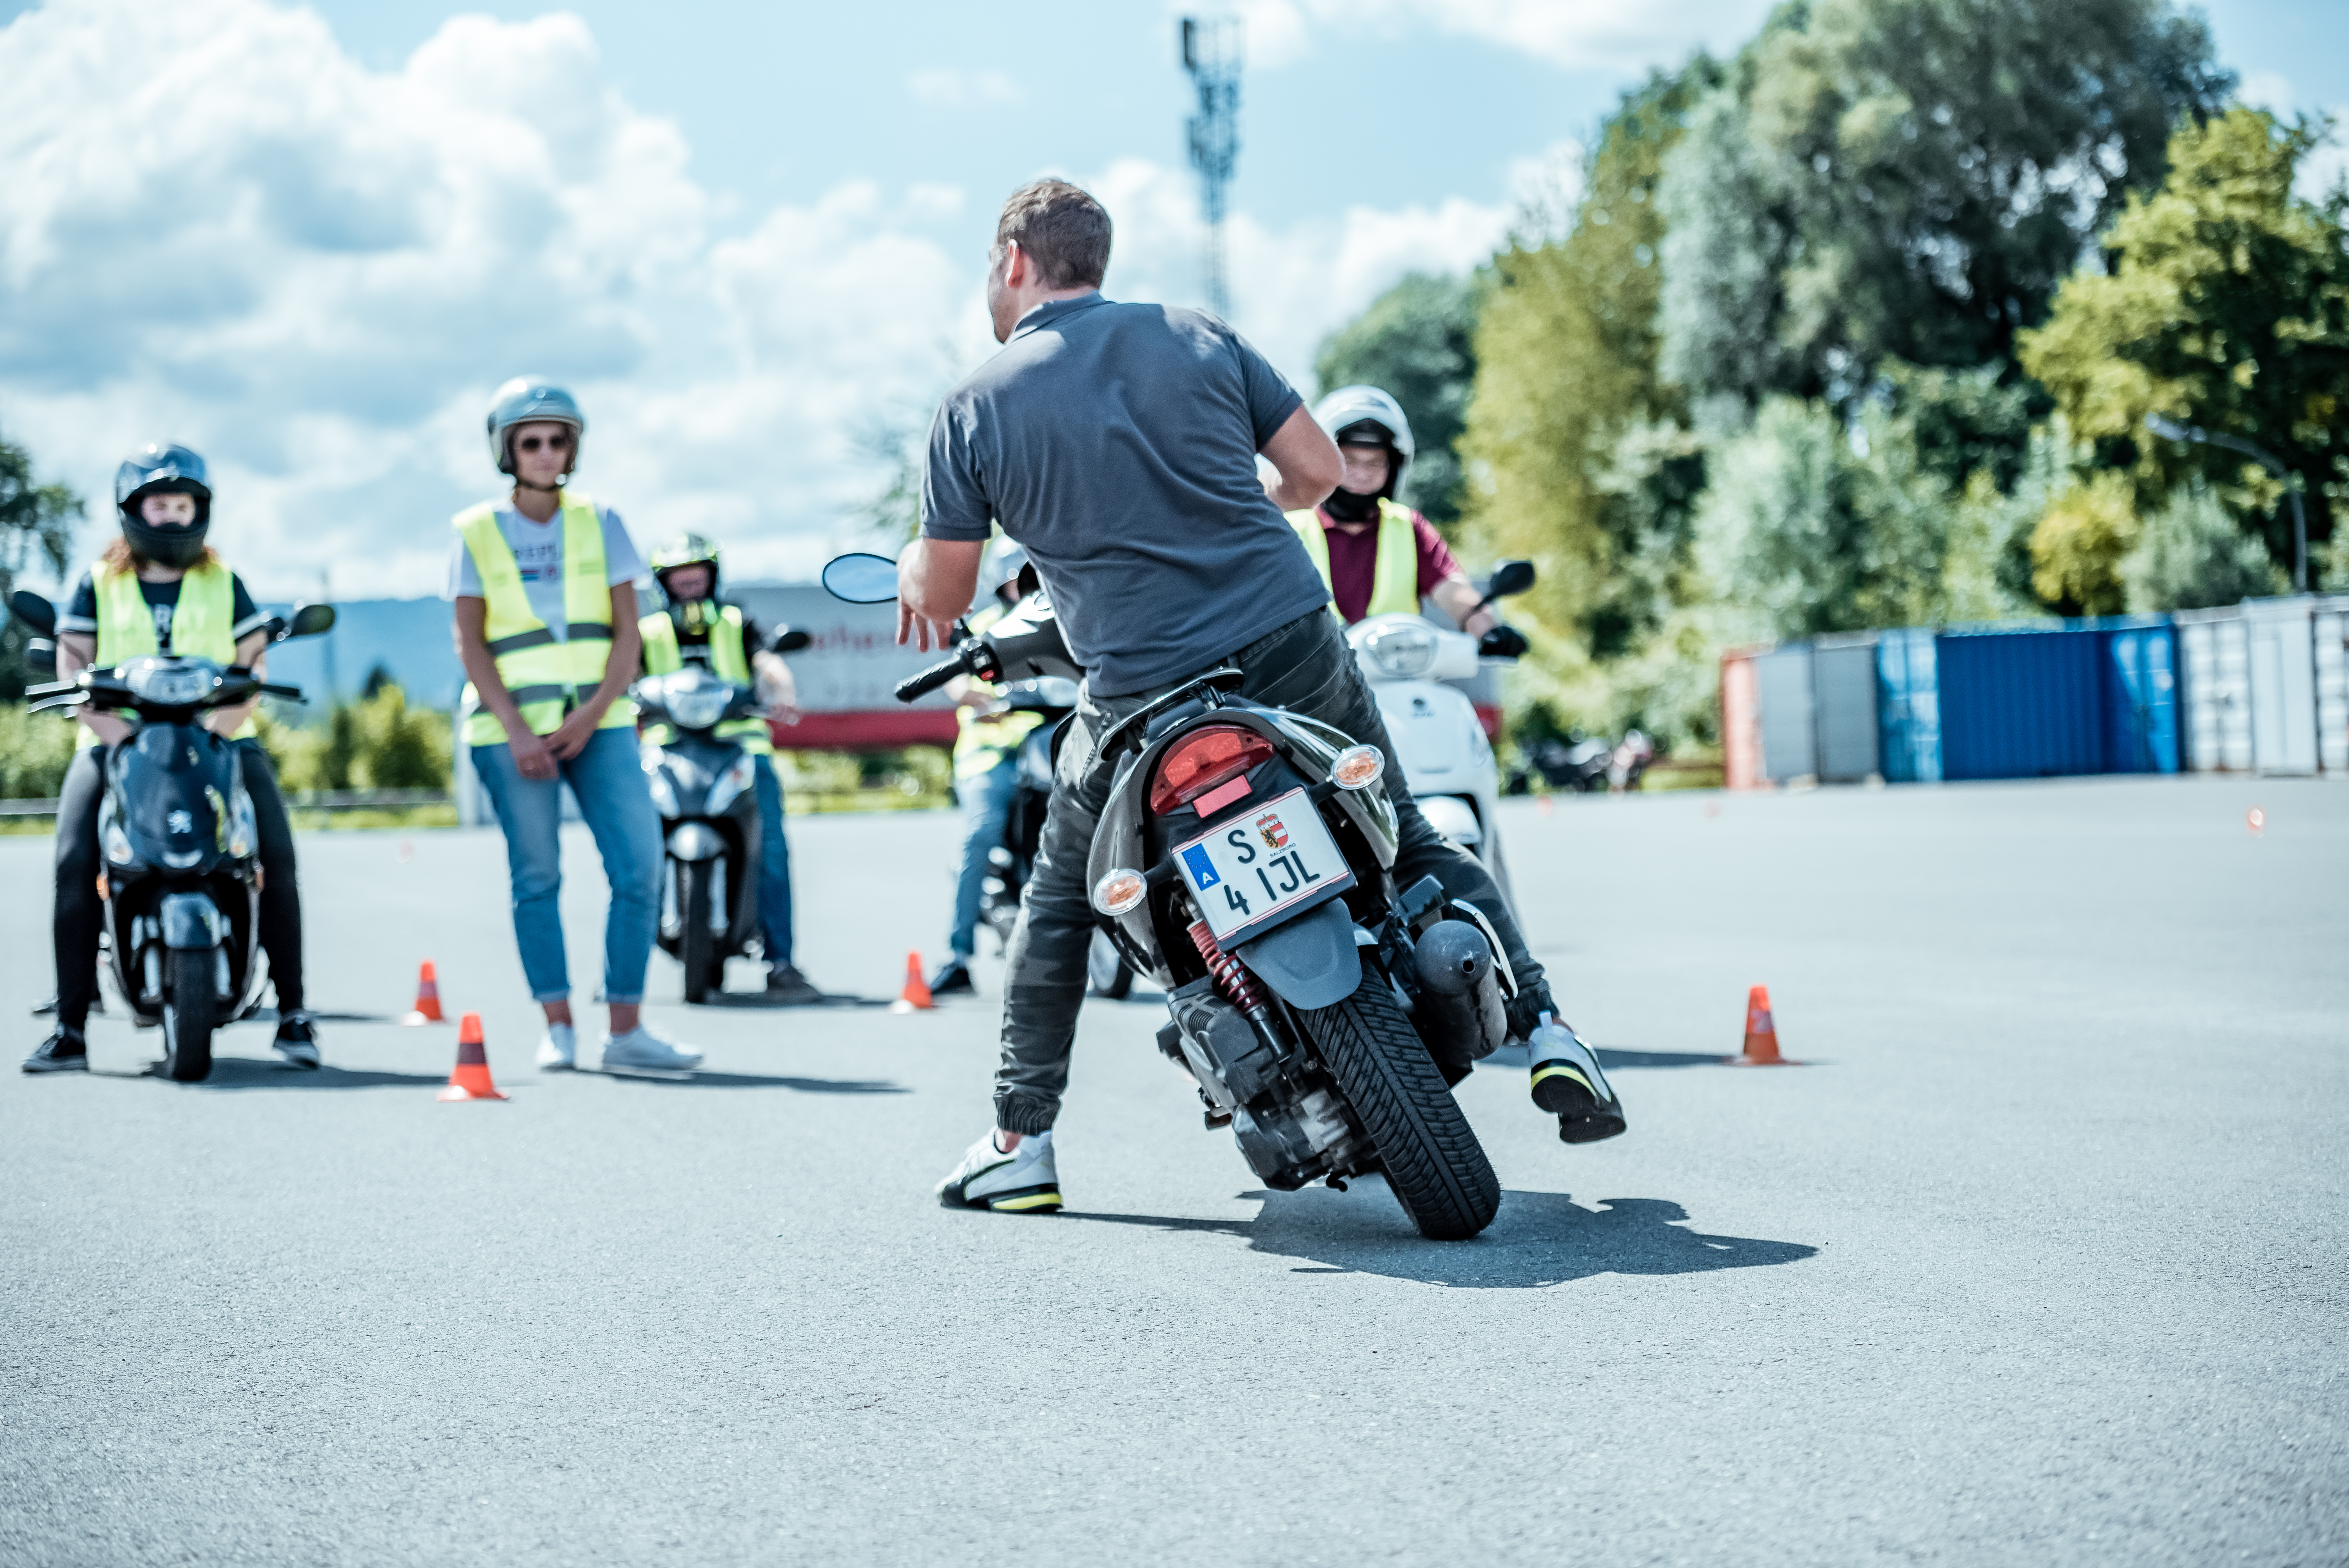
[(1459, 1008)]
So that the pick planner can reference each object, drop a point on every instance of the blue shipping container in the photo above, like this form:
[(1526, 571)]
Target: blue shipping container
[(1909, 707), (2038, 703)]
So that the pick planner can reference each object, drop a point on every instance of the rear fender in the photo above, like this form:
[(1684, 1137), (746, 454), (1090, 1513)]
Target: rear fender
[(1310, 960)]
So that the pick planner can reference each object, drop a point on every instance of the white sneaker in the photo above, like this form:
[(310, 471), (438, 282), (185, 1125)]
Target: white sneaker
[(1023, 1181), (640, 1053), (558, 1049)]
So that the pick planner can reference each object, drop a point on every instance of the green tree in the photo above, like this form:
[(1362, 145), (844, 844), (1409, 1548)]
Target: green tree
[(1910, 180), (2223, 303), (1416, 340), (1577, 454), (36, 522)]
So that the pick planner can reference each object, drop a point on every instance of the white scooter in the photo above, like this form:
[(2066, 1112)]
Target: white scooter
[(1408, 662)]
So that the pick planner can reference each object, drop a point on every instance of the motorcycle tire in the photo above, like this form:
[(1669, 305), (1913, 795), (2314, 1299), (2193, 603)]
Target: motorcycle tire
[(1438, 1170), (696, 945), (189, 1010), (1105, 973)]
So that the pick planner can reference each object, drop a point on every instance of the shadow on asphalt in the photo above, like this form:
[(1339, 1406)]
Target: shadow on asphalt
[(1539, 1239), (246, 1072), (753, 1081), (1615, 1060)]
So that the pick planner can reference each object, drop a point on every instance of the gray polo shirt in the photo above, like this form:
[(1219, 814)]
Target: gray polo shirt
[(1118, 442)]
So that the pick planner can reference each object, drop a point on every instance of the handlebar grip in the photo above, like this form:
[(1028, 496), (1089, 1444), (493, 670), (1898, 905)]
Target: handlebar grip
[(294, 692), (915, 688)]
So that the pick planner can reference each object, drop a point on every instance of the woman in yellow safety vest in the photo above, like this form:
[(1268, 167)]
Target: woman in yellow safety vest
[(544, 585), (1377, 556), (696, 627), (160, 588)]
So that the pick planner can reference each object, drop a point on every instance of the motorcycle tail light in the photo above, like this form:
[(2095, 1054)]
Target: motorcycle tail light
[(1203, 760), (1358, 767), (1119, 892)]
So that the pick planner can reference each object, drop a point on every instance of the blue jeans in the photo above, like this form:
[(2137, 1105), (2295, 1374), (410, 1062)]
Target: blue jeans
[(986, 805), (609, 783), (774, 865)]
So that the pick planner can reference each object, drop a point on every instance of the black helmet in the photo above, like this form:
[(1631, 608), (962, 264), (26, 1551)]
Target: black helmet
[(163, 470)]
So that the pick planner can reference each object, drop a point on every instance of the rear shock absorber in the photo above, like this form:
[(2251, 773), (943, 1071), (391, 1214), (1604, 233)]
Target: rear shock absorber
[(1233, 979)]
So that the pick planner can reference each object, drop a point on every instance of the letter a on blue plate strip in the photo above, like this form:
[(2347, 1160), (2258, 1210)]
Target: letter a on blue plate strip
[(1201, 869)]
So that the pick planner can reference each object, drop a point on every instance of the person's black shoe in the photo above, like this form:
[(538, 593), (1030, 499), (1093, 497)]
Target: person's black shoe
[(297, 1038), (65, 1051), (786, 983), (953, 975), (1568, 1082)]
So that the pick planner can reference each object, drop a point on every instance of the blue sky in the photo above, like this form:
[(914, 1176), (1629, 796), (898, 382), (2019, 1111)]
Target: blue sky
[(310, 241)]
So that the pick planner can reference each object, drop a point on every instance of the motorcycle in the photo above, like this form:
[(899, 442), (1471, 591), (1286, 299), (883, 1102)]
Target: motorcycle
[(182, 877), (705, 787), (1244, 862), (1409, 663)]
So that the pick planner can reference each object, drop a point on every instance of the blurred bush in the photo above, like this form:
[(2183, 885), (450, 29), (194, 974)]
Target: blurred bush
[(35, 750), (377, 743)]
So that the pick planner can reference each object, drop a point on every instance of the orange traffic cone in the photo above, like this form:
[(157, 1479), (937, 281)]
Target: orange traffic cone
[(471, 1080), (916, 997), (1761, 1033), (428, 998)]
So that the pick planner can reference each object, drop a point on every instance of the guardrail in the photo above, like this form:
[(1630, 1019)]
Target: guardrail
[(308, 800)]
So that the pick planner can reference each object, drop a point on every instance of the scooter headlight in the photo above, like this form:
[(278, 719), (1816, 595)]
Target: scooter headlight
[(1403, 650), (1119, 892), (166, 682), (736, 778), (695, 701), (1358, 767)]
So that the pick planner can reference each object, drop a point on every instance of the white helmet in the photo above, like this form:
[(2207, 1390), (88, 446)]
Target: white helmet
[(1349, 406)]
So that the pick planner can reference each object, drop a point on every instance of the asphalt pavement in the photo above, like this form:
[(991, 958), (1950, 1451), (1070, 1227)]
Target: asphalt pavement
[(2038, 1258)]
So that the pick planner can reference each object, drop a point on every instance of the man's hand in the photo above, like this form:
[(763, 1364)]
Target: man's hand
[(569, 737), (936, 579), (532, 758)]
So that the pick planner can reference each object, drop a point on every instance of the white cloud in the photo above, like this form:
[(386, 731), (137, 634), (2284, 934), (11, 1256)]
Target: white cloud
[(1576, 34), (963, 89), (218, 227)]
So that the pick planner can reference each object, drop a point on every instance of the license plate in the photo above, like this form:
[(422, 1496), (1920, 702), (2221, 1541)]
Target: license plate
[(1268, 860)]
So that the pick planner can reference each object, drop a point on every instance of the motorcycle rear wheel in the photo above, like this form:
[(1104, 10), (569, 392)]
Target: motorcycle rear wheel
[(1438, 1170), (189, 1010), (696, 945), (1105, 971)]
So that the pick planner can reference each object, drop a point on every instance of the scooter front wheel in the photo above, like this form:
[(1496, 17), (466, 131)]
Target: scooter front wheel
[(189, 1010), (696, 945)]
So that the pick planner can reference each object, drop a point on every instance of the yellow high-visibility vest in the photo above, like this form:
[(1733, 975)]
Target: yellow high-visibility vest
[(730, 660), (203, 622), (1394, 584), (546, 677)]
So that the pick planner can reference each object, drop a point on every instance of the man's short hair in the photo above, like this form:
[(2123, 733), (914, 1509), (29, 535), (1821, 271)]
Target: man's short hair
[(1063, 229)]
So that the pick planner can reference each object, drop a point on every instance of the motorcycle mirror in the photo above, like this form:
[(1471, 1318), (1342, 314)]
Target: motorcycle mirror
[(787, 640), (861, 578), (1510, 577), (34, 610), (309, 621)]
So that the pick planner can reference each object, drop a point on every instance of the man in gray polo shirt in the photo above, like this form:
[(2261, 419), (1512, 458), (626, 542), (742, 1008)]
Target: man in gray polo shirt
[(1117, 443)]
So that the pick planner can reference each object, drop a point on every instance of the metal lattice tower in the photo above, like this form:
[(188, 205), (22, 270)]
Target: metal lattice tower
[(1211, 54)]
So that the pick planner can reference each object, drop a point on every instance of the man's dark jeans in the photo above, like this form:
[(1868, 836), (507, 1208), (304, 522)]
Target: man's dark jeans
[(79, 916), (1305, 667)]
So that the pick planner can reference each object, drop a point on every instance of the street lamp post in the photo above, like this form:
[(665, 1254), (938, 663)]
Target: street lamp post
[(2170, 430)]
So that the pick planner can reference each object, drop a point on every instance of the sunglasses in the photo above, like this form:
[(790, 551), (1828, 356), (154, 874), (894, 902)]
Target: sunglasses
[(545, 443)]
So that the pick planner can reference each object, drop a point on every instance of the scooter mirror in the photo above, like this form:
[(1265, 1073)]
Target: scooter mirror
[(787, 640), (861, 578), (1510, 577), (40, 655), (34, 610), (309, 621)]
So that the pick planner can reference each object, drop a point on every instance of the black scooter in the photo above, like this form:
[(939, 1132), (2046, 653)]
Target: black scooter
[(1244, 862), (176, 836), (704, 786)]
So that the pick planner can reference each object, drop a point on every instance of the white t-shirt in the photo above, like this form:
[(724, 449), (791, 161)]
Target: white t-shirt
[(538, 554)]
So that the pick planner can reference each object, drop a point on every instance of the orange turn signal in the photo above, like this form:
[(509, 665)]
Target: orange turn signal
[(1119, 892), (1358, 767)]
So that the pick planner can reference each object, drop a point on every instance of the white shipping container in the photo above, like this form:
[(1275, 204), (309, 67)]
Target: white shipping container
[(2331, 636), (2214, 655)]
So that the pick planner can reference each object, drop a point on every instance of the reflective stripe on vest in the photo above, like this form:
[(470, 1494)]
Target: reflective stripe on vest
[(1394, 582), (664, 655), (203, 622), (546, 677)]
